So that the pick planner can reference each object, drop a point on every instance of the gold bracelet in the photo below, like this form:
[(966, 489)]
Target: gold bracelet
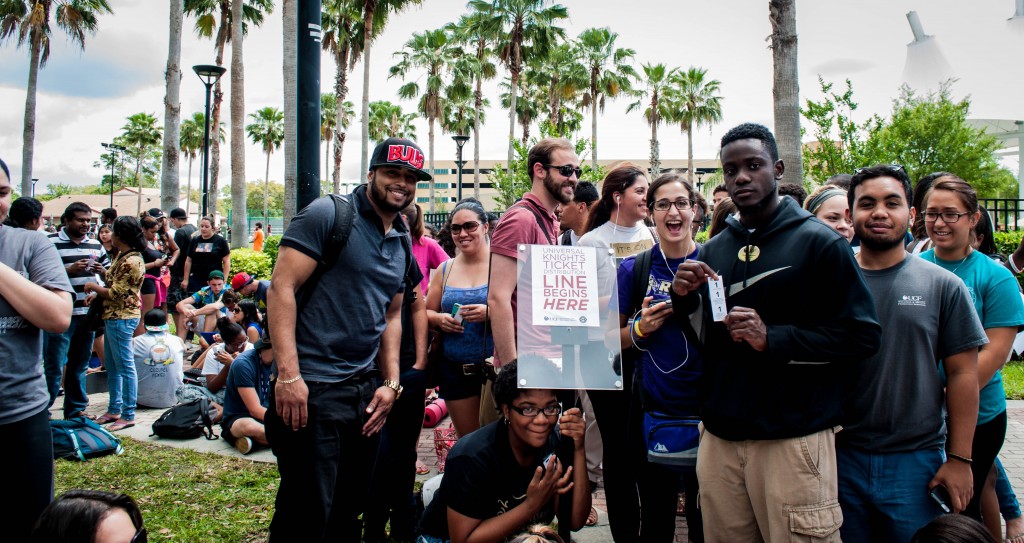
[(290, 381)]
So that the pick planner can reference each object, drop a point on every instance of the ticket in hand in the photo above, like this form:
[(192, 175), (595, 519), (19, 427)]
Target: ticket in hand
[(717, 298)]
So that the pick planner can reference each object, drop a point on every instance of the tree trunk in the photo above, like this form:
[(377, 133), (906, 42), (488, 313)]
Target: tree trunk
[(341, 61), (29, 135), (655, 158), (188, 191), (266, 194), (339, 145), (689, 152), (430, 143), (476, 137), (327, 158), (170, 187), (593, 125), (239, 213), (138, 183), (369, 6), (512, 119), (289, 13), (786, 86)]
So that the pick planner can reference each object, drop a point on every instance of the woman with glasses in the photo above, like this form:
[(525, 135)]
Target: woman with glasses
[(457, 307), (831, 206), (667, 360), (505, 477), (246, 315), (90, 515), (950, 215), (121, 314), (617, 220)]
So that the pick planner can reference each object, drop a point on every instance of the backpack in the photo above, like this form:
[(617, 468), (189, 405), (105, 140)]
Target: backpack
[(79, 438), (344, 215), (187, 421)]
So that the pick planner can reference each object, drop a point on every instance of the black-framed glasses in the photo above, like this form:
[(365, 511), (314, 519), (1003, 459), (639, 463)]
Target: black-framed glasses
[(236, 309), (948, 217), (532, 411), (567, 170), (470, 226), (140, 536), (664, 205)]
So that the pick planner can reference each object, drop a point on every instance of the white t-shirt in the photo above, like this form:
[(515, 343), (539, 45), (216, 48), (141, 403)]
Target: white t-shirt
[(624, 241), (158, 361), (212, 366)]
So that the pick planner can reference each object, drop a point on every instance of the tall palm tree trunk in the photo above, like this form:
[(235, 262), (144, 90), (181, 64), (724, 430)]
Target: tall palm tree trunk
[(239, 213), (188, 191), (339, 145), (170, 187), (290, 45), (593, 126), (327, 158), (430, 143), (476, 137), (369, 6), (213, 190), (689, 152), (340, 93), (138, 183), (655, 158), (266, 193), (512, 118), (28, 136), (786, 86)]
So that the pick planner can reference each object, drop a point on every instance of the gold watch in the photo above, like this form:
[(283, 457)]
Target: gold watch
[(393, 385)]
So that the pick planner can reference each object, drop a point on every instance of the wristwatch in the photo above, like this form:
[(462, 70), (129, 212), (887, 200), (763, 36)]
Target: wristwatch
[(393, 385)]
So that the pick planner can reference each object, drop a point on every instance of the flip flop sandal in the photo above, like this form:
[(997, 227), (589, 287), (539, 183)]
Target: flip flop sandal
[(107, 419), (1019, 538), (121, 425), (421, 468), (592, 517)]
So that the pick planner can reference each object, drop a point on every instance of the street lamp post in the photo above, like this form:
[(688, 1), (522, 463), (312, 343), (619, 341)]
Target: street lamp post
[(460, 141), (209, 75), (34, 181), (112, 148)]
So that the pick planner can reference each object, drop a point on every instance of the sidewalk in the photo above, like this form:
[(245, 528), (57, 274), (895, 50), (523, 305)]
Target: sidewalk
[(1012, 456)]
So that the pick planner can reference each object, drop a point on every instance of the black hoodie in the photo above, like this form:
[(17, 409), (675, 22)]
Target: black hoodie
[(808, 290)]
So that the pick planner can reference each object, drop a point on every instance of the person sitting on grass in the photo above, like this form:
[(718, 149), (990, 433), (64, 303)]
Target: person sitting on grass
[(158, 360), (215, 364), (90, 515), (246, 396), (194, 308), (503, 478)]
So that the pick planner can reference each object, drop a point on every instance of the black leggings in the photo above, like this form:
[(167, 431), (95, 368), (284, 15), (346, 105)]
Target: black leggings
[(988, 439), (28, 457)]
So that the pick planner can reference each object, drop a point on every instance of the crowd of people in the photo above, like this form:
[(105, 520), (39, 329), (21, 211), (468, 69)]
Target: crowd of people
[(836, 354)]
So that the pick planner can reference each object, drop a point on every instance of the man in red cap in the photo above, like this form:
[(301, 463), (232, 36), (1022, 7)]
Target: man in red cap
[(248, 287)]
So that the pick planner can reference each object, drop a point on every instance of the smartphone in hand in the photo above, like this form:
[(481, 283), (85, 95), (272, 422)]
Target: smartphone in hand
[(941, 497)]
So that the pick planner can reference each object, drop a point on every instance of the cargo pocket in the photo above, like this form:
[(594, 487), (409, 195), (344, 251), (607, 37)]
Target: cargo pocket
[(816, 523)]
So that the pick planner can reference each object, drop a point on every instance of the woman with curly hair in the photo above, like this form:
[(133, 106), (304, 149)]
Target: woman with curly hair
[(121, 314)]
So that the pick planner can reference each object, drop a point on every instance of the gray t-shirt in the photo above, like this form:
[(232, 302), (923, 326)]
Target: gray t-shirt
[(22, 386), (893, 402), (158, 360), (337, 333)]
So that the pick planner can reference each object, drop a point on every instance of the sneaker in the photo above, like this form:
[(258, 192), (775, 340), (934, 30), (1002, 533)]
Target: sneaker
[(244, 445)]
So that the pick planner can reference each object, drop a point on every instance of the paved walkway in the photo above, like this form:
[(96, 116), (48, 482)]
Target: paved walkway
[(1012, 456)]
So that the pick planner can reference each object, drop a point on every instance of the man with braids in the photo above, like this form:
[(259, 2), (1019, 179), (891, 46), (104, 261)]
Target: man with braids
[(772, 398)]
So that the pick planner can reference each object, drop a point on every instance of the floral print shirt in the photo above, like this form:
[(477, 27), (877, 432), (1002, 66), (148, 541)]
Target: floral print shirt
[(124, 278)]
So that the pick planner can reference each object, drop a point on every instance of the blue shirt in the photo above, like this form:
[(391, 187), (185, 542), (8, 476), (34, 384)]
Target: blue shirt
[(247, 371), (997, 300), (668, 372)]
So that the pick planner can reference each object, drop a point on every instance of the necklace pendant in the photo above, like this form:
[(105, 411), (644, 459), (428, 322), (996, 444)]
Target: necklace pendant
[(749, 253)]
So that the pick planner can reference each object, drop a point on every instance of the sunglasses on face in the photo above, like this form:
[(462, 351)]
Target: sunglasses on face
[(566, 170), (236, 310), (470, 226), (891, 167)]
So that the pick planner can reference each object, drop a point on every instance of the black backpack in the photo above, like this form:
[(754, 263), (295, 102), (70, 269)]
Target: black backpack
[(187, 421)]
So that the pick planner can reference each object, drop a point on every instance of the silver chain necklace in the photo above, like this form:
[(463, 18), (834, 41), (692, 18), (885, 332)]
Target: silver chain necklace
[(935, 260)]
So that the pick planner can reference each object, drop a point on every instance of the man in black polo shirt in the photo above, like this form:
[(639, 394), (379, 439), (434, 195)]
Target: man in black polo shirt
[(326, 406)]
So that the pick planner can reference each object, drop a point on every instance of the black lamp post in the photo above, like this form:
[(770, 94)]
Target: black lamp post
[(209, 75), (112, 148), (460, 141), (34, 181)]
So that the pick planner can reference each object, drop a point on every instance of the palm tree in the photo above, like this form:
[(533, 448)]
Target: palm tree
[(786, 86), (432, 52), (289, 63), (375, 15), (528, 29), (170, 187), (696, 103), (191, 143), (328, 109), (267, 131), (29, 20), (388, 120), (213, 21), (342, 25), (656, 83), (141, 135), (610, 73), (239, 213), (563, 77), (478, 30), (530, 105)]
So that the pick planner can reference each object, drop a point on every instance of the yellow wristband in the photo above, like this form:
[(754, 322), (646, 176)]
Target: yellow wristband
[(636, 329)]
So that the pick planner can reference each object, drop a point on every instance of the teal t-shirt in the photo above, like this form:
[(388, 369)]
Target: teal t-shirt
[(997, 300)]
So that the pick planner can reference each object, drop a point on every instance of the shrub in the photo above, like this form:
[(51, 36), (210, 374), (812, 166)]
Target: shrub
[(270, 246), (258, 265)]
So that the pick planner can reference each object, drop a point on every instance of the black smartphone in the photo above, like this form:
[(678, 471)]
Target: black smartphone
[(940, 496)]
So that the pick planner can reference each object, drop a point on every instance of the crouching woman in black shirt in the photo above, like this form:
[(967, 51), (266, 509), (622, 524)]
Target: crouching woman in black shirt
[(494, 484)]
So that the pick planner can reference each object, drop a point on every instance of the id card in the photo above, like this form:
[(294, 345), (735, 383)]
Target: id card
[(717, 294)]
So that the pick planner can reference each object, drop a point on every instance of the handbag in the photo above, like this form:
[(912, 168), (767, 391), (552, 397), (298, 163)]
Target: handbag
[(94, 318), (671, 440), (435, 350)]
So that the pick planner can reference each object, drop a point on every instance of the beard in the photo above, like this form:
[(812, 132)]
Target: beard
[(554, 188), (379, 196), (877, 243)]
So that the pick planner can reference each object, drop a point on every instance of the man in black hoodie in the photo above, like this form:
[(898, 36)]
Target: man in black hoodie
[(798, 312)]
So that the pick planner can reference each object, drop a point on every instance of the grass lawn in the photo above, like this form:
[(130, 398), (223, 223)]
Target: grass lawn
[(1013, 380), (184, 495)]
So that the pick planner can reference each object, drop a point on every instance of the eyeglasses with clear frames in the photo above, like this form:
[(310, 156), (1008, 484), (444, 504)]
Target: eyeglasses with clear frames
[(664, 205)]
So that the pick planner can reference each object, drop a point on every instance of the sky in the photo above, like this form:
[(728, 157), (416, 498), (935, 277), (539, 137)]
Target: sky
[(85, 96)]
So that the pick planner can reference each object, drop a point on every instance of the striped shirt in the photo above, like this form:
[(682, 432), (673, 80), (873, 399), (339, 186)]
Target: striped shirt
[(71, 252)]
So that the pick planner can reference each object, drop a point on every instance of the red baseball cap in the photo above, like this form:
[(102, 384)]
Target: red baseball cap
[(240, 280)]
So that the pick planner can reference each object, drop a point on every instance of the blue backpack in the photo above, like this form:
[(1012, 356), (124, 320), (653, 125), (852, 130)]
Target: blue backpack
[(79, 438)]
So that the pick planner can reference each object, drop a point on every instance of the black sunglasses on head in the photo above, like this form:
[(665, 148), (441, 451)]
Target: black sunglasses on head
[(566, 170)]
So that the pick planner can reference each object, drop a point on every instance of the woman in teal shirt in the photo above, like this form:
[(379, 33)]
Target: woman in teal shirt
[(950, 214)]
